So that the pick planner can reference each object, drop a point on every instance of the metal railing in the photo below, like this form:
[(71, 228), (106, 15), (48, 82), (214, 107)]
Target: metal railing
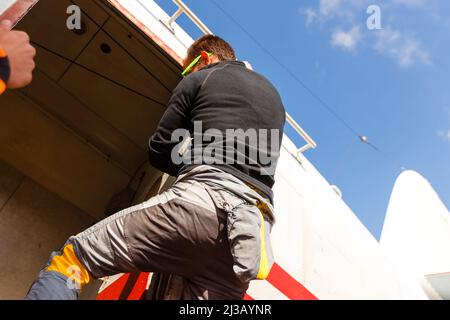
[(310, 143), (183, 8)]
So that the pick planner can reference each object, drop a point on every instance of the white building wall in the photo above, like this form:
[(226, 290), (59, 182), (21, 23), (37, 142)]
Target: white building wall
[(416, 233), (320, 241)]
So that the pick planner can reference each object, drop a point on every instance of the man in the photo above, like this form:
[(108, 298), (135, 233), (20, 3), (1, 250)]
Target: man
[(212, 226), (16, 58)]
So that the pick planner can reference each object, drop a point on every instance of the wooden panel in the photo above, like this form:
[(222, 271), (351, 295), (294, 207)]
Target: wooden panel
[(134, 116), (92, 15), (10, 179), (145, 52), (123, 67), (34, 222), (51, 154), (46, 25), (51, 64), (93, 10), (86, 123)]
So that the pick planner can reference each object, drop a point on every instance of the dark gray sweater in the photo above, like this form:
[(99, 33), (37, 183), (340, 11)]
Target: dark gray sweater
[(224, 96)]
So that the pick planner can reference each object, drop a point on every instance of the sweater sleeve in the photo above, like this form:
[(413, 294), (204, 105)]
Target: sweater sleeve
[(4, 71), (177, 116)]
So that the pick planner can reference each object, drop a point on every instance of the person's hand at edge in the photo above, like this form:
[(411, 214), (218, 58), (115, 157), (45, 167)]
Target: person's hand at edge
[(20, 53)]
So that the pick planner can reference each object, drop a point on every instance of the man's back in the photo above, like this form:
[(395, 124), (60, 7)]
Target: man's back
[(236, 118)]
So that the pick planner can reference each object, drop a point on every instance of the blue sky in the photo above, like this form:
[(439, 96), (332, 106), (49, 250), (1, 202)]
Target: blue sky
[(391, 85)]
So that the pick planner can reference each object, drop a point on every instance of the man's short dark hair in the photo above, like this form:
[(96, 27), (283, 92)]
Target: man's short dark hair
[(210, 43)]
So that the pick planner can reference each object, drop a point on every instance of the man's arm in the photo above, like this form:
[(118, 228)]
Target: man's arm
[(16, 58), (177, 116)]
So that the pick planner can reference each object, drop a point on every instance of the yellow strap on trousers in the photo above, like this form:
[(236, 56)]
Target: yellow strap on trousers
[(264, 268), (68, 264)]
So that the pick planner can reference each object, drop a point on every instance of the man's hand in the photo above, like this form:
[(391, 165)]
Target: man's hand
[(20, 54)]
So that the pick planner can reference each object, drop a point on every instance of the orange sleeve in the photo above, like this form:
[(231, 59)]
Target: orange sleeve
[(2, 87), (4, 70)]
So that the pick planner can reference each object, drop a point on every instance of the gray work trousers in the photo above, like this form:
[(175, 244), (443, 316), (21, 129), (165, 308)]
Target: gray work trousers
[(186, 231)]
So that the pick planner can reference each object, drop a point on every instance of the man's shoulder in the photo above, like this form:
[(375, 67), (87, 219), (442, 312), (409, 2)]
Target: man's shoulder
[(192, 82)]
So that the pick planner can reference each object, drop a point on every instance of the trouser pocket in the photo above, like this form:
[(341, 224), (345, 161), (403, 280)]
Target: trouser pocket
[(248, 235)]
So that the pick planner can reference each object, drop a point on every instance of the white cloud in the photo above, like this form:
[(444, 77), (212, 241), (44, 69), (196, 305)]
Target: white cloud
[(410, 3), (326, 10), (311, 16), (444, 134), (406, 50), (346, 40), (343, 20), (328, 7)]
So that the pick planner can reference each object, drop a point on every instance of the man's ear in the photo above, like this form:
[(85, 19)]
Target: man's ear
[(205, 57)]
